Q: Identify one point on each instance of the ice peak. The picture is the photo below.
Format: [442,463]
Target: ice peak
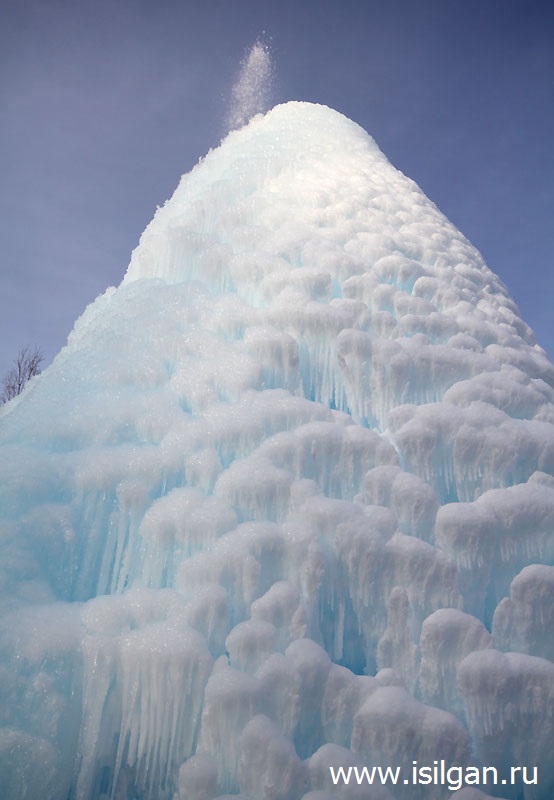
[300,187]
[293,164]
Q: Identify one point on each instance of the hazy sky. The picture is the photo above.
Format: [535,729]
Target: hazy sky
[105,104]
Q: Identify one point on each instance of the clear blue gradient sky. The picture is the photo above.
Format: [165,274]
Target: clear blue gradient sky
[105,104]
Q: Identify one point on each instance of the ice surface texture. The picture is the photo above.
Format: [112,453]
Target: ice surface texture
[284,502]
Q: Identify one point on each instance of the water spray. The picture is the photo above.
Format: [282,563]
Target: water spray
[252,91]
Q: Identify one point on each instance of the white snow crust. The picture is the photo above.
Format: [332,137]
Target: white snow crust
[284,502]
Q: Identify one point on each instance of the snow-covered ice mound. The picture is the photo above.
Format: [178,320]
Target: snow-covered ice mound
[284,502]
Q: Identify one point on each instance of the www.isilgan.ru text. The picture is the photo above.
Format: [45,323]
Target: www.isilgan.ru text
[436,775]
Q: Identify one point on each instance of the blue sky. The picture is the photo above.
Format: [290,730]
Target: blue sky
[105,104]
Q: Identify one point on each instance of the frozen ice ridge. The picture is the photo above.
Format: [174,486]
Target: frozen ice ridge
[284,502]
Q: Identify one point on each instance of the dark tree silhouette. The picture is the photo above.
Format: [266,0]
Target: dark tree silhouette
[25,366]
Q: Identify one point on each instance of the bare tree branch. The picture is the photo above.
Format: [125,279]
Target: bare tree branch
[25,366]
